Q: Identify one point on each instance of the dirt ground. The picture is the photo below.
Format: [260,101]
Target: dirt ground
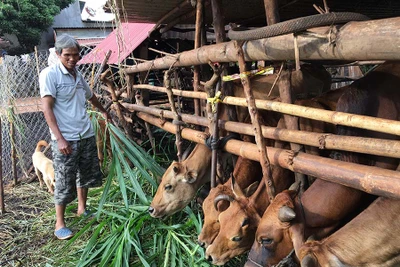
[27,225]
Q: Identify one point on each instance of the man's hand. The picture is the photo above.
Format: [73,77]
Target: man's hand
[64,146]
[107,116]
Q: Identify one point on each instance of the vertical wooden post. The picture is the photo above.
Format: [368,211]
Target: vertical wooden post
[177,117]
[264,161]
[291,122]
[212,115]
[197,44]
[218,21]
[2,206]
[271,11]
[13,152]
[220,37]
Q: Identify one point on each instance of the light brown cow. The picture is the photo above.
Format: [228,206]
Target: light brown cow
[290,220]
[371,240]
[181,181]
[174,192]
[246,172]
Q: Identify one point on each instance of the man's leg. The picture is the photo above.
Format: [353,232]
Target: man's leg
[89,174]
[60,222]
[82,198]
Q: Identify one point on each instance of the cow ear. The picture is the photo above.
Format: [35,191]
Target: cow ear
[237,191]
[190,177]
[248,191]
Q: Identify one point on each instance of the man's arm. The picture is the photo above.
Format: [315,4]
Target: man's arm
[47,105]
[95,102]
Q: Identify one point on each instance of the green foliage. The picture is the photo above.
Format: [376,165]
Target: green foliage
[28,19]
[127,235]
[123,233]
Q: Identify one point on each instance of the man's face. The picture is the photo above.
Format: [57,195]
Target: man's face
[69,57]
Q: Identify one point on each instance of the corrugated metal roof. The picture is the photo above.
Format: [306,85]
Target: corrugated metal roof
[90,42]
[122,41]
[251,12]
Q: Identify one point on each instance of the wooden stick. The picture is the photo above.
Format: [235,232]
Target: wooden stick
[264,160]
[177,117]
[2,205]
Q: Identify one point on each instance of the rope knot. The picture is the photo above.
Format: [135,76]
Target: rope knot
[214,100]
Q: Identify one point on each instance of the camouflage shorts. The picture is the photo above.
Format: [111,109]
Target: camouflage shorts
[78,169]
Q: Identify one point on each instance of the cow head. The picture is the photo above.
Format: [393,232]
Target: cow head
[217,201]
[273,239]
[221,196]
[180,183]
[238,224]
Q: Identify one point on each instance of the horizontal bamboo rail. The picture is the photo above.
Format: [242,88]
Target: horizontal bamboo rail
[352,42]
[373,146]
[370,179]
[341,118]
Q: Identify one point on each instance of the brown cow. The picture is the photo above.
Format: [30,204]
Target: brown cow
[238,223]
[371,239]
[233,225]
[174,193]
[289,220]
[246,172]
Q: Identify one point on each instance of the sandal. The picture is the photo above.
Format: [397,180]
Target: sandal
[63,233]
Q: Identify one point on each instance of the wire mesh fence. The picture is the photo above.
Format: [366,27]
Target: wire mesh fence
[22,121]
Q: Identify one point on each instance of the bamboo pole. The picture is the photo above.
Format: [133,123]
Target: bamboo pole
[341,118]
[2,205]
[352,43]
[255,119]
[373,146]
[373,180]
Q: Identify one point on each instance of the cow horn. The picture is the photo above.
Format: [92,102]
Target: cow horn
[221,197]
[295,186]
[286,214]
[309,260]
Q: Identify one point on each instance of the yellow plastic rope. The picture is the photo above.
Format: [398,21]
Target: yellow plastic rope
[262,71]
[214,100]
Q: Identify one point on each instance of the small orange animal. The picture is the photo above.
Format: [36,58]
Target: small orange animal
[43,167]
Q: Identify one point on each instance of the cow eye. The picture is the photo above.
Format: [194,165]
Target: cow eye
[175,169]
[236,239]
[245,222]
[168,187]
[266,241]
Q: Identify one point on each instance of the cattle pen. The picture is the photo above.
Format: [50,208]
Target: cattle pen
[307,89]
[281,50]
[380,182]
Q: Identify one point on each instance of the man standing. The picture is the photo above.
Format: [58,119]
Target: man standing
[64,93]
